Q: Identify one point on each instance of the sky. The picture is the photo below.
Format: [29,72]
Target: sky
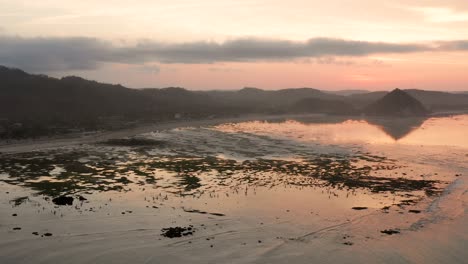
[230,44]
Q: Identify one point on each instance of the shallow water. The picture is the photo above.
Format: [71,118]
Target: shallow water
[245,182]
[446,131]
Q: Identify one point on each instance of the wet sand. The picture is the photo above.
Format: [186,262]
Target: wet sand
[248,192]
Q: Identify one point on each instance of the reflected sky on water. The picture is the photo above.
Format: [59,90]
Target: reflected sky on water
[437,131]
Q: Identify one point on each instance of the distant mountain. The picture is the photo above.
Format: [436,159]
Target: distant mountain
[178,100]
[33,105]
[316,105]
[440,101]
[25,96]
[43,104]
[347,92]
[396,103]
[365,99]
[432,100]
[267,101]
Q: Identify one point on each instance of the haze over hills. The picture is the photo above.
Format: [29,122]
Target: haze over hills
[46,105]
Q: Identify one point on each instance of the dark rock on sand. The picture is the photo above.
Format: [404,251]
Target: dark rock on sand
[359,208]
[81,198]
[201,212]
[217,214]
[390,231]
[63,200]
[48,234]
[177,231]
[414,211]
[16,228]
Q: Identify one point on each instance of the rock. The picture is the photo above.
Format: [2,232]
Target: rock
[359,208]
[390,231]
[177,231]
[63,200]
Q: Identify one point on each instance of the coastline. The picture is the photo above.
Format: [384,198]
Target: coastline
[77,139]
[123,227]
[28,145]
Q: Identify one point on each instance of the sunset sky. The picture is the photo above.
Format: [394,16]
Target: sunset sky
[229,44]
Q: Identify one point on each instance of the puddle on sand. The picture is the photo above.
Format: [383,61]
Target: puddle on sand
[291,176]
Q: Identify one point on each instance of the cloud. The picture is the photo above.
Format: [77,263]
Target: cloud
[442,14]
[251,49]
[53,54]
[460,45]
[61,54]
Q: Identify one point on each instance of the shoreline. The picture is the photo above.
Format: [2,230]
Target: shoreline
[29,145]
[246,214]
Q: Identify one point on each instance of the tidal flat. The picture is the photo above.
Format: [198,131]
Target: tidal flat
[299,190]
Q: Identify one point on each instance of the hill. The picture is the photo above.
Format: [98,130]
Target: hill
[33,105]
[44,105]
[396,103]
[440,101]
[365,99]
[267,101]
[347,92]
[432,100]
[70,101]
[316,105]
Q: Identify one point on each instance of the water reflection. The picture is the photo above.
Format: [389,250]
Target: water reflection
[448,131]
[397,128]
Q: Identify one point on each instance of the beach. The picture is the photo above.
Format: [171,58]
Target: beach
[253,190]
